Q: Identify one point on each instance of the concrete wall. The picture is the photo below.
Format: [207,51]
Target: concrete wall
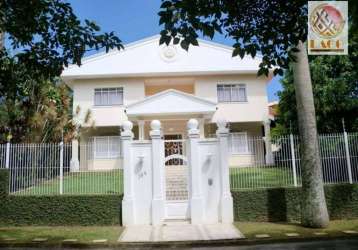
[135,89]
[154,89]
[83,96]
[255,109]
[210,179]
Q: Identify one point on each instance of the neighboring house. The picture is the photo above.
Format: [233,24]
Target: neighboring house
[273,110]
[147,81]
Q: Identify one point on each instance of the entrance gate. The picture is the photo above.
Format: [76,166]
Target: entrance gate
[176,177]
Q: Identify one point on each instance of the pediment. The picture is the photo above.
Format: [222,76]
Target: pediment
[171,102]
[147,58]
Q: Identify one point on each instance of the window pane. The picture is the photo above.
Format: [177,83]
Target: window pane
[220,93]
[104,98]
[97,97]
[242,94]
[106,147]
[114,149]
[227,93]
[235,93]
[101,147]
[108,96]
[239,143]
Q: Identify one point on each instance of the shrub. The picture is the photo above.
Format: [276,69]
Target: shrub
[283,204]
[62,210]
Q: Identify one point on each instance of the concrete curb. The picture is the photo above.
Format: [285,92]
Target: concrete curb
[178,244]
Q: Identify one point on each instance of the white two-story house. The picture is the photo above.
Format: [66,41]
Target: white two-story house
[146,81]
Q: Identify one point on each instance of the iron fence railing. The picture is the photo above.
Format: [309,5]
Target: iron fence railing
[338,154]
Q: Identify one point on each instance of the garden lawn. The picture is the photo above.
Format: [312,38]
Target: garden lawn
[57,234]
[278,230]
[263,177]
[89,182]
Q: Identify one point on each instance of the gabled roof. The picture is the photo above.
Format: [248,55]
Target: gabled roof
[171,102]
[147,58]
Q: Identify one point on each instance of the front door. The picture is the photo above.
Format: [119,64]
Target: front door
[176,177]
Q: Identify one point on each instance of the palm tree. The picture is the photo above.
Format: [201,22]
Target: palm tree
[313,206]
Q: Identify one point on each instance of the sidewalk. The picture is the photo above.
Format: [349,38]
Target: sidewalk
[180,231]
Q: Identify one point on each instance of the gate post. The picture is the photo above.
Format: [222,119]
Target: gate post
[158,210]
[226,211]
[128,217]
[196,196]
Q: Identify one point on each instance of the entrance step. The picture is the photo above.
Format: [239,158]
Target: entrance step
[170,222]
[177,210]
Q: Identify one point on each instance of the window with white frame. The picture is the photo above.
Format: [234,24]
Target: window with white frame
[232,93]
[238,142]
[108,96]
[106,147]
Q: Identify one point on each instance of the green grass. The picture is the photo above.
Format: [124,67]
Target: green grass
[111,182]
[263,177]
[278,230]
[57,234]
[104,182]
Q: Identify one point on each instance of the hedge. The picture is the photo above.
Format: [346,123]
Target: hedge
[57,210]
[283,204]
[4,183]
[279,204]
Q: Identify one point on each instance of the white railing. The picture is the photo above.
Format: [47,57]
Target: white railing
[44,169]
[338,152]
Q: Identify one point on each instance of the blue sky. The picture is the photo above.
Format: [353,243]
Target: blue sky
[132,20]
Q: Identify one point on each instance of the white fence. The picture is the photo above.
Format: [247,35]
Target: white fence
[44,169]
[338,152]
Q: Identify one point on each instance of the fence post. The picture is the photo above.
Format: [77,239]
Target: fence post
[348,157]
[128,205]
[196,195]
[7,158]
[293,159]
[61,167]
[226,200]
[158,201]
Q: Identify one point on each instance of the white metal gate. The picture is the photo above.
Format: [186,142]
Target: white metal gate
[176,177]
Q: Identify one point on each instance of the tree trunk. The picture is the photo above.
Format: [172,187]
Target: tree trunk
[313,206]
[2,40]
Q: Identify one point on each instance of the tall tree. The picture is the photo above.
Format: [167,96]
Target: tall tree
[335,90]
[276,29]
[44,36]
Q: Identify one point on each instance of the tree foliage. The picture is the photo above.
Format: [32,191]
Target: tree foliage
[269,27]
[47,35]
[335,89]
[44,36]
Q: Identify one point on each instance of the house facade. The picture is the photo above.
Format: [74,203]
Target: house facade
[146,82]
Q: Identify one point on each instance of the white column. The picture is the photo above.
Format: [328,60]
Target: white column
[202,127]
[158,205]
[141,124]
[268,148]
[61,167]
[293,160]
[348,157]
[226,203]
[74,164]
[196,196]
[7,157]
[128,217]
